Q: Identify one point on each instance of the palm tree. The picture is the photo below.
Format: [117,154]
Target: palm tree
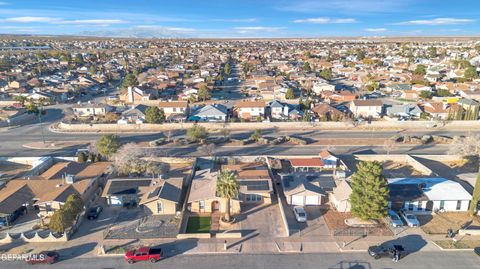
[227,187]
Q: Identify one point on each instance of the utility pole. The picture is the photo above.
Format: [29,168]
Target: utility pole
[40,112]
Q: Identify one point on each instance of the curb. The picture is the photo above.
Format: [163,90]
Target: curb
[451,249]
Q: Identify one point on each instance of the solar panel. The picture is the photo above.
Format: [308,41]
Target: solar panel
[261,185]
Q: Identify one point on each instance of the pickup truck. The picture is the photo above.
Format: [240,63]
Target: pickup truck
[143,254]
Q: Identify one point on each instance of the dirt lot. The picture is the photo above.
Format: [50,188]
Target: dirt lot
[440,223]
[393,169]
[462,244]
[336,224]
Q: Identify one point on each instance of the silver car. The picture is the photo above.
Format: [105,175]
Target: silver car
[394,219]
[410,219]
[300,214]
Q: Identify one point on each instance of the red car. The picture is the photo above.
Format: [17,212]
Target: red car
[143,254]
[44,257]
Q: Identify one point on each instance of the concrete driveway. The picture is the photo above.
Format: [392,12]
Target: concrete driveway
[315,225]
[265,220]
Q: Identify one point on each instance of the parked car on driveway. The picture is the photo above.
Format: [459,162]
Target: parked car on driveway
[393,219]
[386,250]
[300,214]
[48,257]
[143,254]
[410,219]
[94,212]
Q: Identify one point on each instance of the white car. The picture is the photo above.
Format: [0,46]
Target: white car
[410,219]
[300,214]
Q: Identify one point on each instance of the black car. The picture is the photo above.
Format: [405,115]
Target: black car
[386,250]
[477,250]
[94,212]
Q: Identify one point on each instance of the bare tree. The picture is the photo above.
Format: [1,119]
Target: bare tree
[208,149]
[389,145]
[225,132]
[130,158]
[169,135]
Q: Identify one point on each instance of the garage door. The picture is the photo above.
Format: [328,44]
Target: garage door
[297,200]
[311,200]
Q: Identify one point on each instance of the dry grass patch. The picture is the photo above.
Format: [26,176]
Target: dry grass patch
[461,244]
[441,222]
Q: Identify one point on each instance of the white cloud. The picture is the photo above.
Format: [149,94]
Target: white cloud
[343,6]
[258,29]
[51,20]
[326,20]
[93,22]
[437,21]
[31,19]
[376,30]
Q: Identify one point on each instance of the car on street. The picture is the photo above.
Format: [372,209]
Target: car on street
[143,254]
[393,219]
[94,212]
[48,257]
[300,214]
[386,250]
[477,250]
[409,218]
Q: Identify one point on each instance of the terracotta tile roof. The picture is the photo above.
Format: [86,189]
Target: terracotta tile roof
[306,162]
[245,104]
[370,102]
[173,104]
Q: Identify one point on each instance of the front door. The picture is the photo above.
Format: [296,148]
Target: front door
[215,206]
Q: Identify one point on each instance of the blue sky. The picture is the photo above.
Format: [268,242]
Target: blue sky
[244,18]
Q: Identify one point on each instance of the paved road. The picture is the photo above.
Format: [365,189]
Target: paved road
[437,260]
[11,140]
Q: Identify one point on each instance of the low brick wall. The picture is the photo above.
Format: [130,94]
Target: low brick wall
[32,238]
[193,235]
[227,235]
[261,125]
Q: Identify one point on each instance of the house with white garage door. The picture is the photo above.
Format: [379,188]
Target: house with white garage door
[299,190]
[427,195]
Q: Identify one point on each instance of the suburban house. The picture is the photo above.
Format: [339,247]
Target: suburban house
[427,195]
[210,113]
[278,110]
[300,190]
[48,191]
[339,198]
[122,191]
[136,114]
[440,110]
[327,112]
[135,94]
[255,182]
[338,97]
[163,197]
[307,164]
[91,109]
[320,87]
[410,94]
[249,110]
[407,110]
[203,195]
[330,161]
[175,110]
[366,108]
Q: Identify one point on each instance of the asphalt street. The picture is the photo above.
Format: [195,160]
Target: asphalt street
[437,260]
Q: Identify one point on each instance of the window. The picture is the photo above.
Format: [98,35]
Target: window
[253,198]
[174,109]
[159,207]
[459,205]
[411,206]
[202,205]
[442,205]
